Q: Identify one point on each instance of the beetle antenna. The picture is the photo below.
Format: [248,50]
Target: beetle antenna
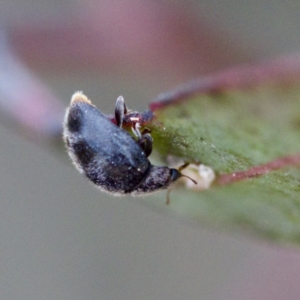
[194,181]
[183,167]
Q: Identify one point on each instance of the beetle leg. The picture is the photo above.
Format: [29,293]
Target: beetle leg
[144,139]
[146,143]
[120,111]
[183,166]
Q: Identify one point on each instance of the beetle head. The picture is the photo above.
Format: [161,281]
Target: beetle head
[159,178]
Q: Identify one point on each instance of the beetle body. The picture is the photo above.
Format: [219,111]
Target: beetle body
[108,155]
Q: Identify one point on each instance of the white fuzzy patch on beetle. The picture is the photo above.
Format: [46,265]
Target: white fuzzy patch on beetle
[134,119]
[80,97]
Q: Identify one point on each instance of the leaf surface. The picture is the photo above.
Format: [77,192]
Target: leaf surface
[245,125]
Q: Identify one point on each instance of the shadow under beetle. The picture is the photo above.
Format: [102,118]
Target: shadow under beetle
[108,155]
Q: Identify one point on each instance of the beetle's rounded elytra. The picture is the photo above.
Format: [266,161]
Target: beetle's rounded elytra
[108,155]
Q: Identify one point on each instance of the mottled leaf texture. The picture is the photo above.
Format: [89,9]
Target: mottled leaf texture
[244,124]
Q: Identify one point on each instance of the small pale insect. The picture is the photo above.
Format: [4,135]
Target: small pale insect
[108,155]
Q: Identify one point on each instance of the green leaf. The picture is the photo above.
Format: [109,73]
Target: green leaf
[233,122]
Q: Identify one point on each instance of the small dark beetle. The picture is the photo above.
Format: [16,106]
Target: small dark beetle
[108,155]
